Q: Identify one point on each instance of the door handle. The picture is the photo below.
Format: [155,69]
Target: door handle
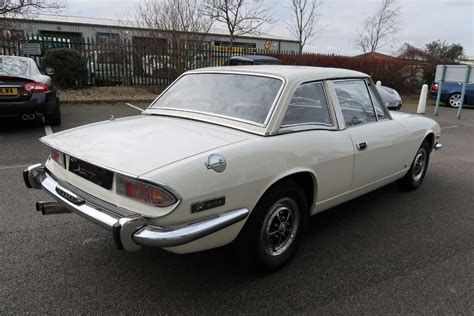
[362,146]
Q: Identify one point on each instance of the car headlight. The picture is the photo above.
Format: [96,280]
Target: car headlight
[144,192]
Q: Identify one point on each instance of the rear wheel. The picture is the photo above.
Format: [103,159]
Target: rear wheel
[53,118]
[454,100]
[414,177]
[271,236]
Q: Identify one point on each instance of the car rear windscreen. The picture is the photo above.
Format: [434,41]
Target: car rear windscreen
[12,66]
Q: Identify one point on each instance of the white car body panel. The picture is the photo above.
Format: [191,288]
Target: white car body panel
[170,148]
[135,145]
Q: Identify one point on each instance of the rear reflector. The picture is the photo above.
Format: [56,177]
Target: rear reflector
[435,87]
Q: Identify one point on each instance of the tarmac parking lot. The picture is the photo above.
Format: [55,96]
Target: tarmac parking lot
[385,252]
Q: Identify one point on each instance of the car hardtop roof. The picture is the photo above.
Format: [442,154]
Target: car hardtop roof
[290,73]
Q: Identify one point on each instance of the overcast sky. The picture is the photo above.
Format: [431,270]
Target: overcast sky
[421,21]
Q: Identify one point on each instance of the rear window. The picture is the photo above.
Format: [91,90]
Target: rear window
[13,66]
[236,96]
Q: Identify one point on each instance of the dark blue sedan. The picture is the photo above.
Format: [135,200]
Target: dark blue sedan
[451,94]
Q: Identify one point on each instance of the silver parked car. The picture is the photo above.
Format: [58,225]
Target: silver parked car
[390,97]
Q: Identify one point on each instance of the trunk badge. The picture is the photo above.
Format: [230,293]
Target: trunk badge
[216,163]
[71,197]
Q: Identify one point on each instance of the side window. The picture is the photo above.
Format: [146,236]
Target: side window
[308,106]
[379,108]
[355,102]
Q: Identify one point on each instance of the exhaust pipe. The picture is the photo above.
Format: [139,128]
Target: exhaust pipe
[31,117]
[51,208]
[25,117]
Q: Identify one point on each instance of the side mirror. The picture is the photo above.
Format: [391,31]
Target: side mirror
[49,71]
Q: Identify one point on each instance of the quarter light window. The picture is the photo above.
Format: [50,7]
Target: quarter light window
[355,102]
[308,106]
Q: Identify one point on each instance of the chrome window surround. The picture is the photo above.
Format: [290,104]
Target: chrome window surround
[311,123]
[270,111]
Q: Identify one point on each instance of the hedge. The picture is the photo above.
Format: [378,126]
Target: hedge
[402,75]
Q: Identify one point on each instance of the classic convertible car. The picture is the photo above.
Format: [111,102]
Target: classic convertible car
[241,155]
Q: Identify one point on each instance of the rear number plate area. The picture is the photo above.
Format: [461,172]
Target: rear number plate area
[90,172]
[8,91]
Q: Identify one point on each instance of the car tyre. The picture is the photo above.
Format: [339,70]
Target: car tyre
[415,175]
[454,100]
[272,234]
[53,118]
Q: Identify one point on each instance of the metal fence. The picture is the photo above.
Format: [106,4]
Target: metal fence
[122,62]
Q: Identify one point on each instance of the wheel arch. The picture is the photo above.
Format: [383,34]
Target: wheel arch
[430,137]
[306,179]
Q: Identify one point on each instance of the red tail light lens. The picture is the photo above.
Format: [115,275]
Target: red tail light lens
[35,87]
[144,192]
[435,87]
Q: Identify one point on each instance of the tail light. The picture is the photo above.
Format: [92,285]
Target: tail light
[58,157]
[35,87]
[435,87]
[144,192]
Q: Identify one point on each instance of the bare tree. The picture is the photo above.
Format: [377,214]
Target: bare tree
[379,29]
[240,16]
[25,7]
[174,20]
[305,25]
[175,31]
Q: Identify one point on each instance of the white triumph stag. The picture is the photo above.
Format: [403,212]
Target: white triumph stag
[235,154]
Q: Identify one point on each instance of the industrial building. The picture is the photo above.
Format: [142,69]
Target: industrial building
[78,29]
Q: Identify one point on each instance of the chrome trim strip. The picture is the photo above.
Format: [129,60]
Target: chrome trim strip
[131,232]
[161,237]
[230,118]
[438,146]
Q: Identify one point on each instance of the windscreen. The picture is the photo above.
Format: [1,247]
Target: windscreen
[236,96]
[13,67]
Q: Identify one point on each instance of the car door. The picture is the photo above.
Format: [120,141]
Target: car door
[310,123]
[375,136]
[469,94]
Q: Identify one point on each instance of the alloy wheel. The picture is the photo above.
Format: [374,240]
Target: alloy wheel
[455,100]
[280,226]
[419,164]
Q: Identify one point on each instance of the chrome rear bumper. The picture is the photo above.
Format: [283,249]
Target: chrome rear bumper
[130,232]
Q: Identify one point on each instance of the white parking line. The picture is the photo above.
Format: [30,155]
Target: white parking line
[48,130]
[135,107]
[450,126]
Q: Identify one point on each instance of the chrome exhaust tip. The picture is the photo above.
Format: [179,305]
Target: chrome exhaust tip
[51,208]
